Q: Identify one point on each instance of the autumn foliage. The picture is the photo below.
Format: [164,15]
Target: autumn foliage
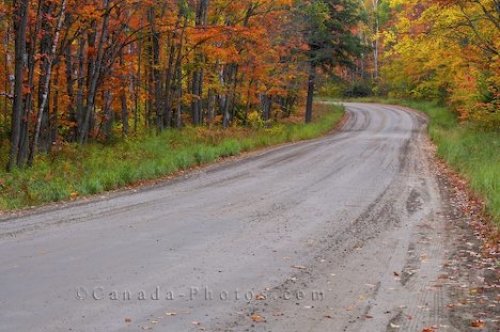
[99,70]
[80,71]
[447,50]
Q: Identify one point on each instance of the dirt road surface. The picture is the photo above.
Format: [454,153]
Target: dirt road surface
[342,233]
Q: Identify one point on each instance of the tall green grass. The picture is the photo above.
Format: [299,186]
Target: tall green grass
[472,151]
[92,169]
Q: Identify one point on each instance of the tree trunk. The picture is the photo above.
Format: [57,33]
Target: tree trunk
[80,88]
[32,45]
[266,103]
[169,77]
[123,100]
[310,92]
[7,82]
[197,86]
[46,81]
[154,58]
[229,74]
[376,41]
[20,24]
[212,101]
[68,61]
[177,85]
[94,75]
[108,116]
[54,116]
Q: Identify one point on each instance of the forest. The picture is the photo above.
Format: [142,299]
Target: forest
[90,71]
[81,73]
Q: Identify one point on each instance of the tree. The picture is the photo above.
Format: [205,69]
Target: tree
[329,34]
[447,50]
[20,24]
[86,70]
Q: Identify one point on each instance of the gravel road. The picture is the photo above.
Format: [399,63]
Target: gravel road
[342,233]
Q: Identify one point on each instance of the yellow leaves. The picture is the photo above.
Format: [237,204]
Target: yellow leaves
[435,51]
[396,3]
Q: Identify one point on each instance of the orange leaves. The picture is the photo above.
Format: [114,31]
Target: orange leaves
[125,62]
[478,324]
[89,11]
[257,318]
[91,51]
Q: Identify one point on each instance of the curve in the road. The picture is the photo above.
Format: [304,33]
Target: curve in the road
[337,215]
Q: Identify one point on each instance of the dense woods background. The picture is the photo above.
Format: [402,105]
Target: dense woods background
[80,71]
[74,72]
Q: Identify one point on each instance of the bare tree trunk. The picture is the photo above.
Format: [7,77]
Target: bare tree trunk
[376,41]
[267,103]
[20,24]
[46,81]
[197,86]
[212,101]
[137,88]
[154,58]
[248,105]
[108,116]
[80,87]
[229,74]
[310,92]
[8,90]
[125,126]
[54,117]
[94,75]
[178,117]
[178,76]
[68,60]
[123,101]
[32,44]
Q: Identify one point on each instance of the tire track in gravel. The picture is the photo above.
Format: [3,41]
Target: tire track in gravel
[355,217]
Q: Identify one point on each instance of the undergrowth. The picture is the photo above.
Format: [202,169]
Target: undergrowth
[76,171]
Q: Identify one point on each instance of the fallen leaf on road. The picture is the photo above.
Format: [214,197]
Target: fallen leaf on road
[396,274]
[478,324]
[257,318]
[128,320]
[428,329]
[195,323]
[299,267]
[260,297]
[170,313]
[328,316]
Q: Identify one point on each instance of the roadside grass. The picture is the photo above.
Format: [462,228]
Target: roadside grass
[470,150]
[76,171]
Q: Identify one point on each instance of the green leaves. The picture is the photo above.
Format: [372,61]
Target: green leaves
[330,31]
